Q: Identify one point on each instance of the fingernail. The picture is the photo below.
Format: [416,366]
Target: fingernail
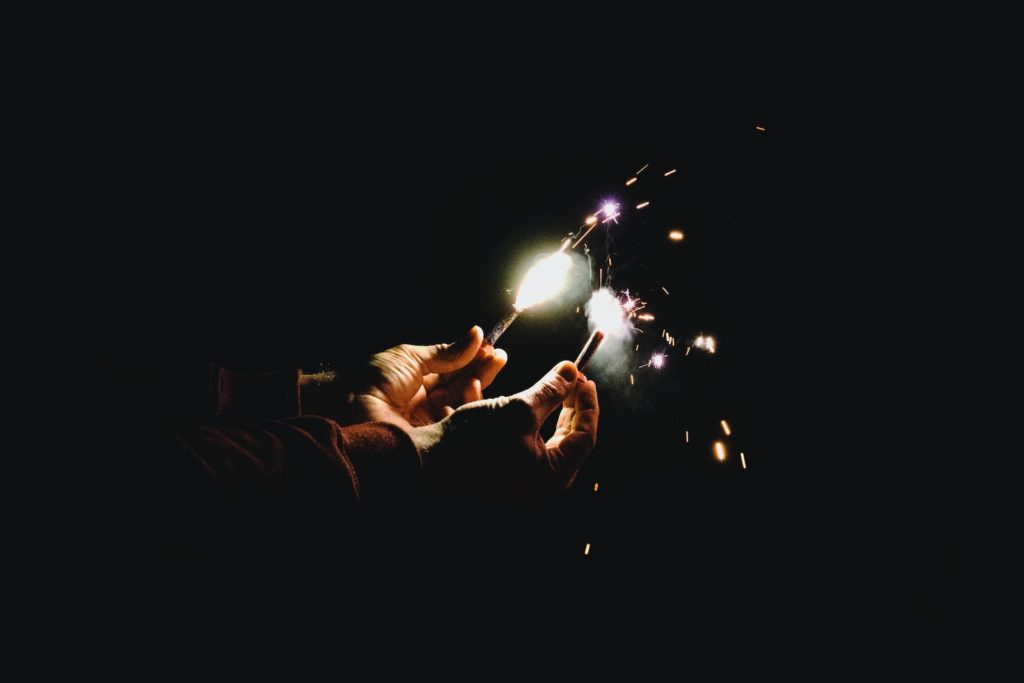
[568,371]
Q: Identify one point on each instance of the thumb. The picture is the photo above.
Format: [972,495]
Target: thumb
[448,357]
[549,393]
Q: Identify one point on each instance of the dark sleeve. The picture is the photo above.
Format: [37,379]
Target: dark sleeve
[187,392]
[192,457]
[300,458]
[216,490]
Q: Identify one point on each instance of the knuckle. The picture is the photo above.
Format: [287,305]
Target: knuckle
[517,404]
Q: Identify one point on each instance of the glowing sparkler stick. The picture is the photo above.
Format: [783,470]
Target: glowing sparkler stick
[589,349]
[502,325]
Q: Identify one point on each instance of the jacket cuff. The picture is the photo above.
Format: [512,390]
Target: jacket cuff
[385,460]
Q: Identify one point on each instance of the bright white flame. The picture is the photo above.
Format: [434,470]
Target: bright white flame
[676,235]
[591,220]
[608,314]
[610,211]
[658,360]
[543,281]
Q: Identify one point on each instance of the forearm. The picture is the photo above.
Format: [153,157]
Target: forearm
[330,394]
[185,392]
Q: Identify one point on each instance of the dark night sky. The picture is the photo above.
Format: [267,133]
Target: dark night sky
[267,211]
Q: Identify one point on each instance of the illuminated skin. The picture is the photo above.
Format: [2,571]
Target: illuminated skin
[413,386]
[489,449]
[493,449]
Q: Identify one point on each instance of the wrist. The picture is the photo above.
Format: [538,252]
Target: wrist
[322,394]
[426,439]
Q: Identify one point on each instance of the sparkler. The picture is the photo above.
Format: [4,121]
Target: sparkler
[542,282]
[610,314]
[589,349]
[610,211]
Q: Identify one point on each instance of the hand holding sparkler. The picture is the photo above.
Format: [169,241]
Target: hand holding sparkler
[411,385]
[493,449]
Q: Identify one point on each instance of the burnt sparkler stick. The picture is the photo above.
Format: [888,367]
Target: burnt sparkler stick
[499,329]
[589,349]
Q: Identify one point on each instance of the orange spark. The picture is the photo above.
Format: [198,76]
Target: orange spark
[720,451]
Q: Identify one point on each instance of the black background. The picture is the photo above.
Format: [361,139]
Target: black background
[272,209]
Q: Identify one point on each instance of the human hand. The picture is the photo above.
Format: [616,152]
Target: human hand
[493,449]
[413,386]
